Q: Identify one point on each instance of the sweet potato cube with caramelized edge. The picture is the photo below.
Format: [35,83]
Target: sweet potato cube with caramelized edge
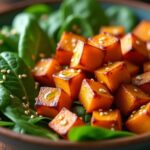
[117,31]
[70,81]
[44,70]
[142,30]
[86,57]
[146,66]
[94,95]
[109,44]
[132,68]
[110,119]
[143,82]
[64,121]
[51,100]
[139,121]
[66,45]
[130,98]
[134,49]
[113,75]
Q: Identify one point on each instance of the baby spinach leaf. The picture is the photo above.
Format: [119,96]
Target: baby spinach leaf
[76,25]
[119,15]
[38,10]
[33,41]
[8,39]
[86,9]
[16,77]
[89,133]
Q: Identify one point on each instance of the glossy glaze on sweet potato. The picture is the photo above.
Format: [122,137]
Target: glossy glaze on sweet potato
[51,100]
[130,98]
[64,121]
[94,95]
[110,119]
[113,75]
[65,47]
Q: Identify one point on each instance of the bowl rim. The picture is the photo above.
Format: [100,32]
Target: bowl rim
[63,143]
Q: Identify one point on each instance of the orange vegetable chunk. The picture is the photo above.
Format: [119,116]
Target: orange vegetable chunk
[109,44]
[94,95]
[86,57]
[117,31]
[70,81]
[113,75]
[51,100]
[146,66]
[132,68]
[110,119]
[143,82]
[139,121]
[64,121]
[66,45]
[44,70]
[142,30]
[130,98]
[134,49]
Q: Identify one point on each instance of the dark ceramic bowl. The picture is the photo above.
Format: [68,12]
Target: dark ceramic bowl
[26,142]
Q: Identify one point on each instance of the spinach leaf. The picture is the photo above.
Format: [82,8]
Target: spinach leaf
[6,124]
[86,9]
[33,42]
[38,10]
[8,39]
[77,25]
[88,133]
[16,77]
[122,16]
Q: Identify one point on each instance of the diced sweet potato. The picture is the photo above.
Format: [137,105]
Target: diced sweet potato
[146,66]
[142,30]
[66,46]
[109,44]
[130,98]
[139,121]
[64,121]
[110,119]
[134,49]
[143,82]
[94,95]
[117,31]
[132,68]
[44,69]
[51,100]
[113,75]
[86,57]
[70,81]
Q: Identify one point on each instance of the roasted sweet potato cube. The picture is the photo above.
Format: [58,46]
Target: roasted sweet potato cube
[113,75]
[142,30]
[110,119]
[143,82]
[117,31]
[66,45]
[51,100]
[146,66]
[109,44]
[86,57]
[139,121]
[132,68]
[44,69]
[70,81]
[134,49]
[94,95]
[130,98]
[64,121]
